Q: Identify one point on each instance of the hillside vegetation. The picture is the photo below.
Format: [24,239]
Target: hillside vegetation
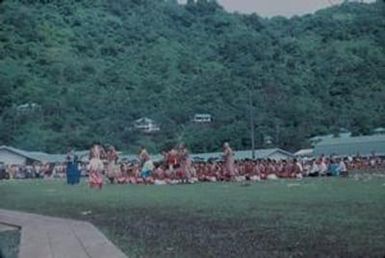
[94,67]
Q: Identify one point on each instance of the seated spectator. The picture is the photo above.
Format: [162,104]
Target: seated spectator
[2,171]
[315,168]
[333,169]
[342,168]
[322,168]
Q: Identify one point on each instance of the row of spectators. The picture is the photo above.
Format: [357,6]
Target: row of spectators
[209,171]
[45,171]
[254,170]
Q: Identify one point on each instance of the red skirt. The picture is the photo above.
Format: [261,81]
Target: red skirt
[95,179]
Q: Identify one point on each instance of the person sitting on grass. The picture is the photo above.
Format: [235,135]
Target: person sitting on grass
[285,170]
[172,159]
[209,172]
[314,169]
[298,171]
[122,175]
[159,174]
[254,174]
[262,170]
[193,176]
[199,167]
[271,171]
[342,168]
[332,168]
[133,173]
[240,171]
[247,169]
[322,167]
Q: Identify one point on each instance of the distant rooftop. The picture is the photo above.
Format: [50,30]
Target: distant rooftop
[355,139]
[360,145]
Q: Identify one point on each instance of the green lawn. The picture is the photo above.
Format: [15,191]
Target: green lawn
[322,217]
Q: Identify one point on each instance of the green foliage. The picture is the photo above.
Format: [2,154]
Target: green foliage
[96,66]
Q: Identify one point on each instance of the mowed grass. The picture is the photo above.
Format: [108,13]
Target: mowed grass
[322,217]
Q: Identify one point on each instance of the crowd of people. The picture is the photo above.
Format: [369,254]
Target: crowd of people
[177,167]
[38,170]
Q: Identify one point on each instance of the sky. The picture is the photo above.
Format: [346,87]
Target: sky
[268,8]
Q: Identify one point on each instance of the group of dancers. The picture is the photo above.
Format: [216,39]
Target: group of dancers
[177,167]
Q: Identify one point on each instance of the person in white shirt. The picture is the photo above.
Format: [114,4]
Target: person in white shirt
[342,168]
[323,168]
[315,169]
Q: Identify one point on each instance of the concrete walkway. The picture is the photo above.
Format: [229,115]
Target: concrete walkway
[49,237]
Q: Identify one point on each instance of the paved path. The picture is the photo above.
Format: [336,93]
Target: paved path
[49,237]
[5,227]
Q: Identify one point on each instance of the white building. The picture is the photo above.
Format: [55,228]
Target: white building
[28,107]
[202,118]
[146,125]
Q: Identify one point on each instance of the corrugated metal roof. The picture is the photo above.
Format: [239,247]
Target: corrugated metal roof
[134,157]
[14,150]
[357,139]
[304,152]
[379,130]
[239,155]
[247,154]
[36,155]
[362,145]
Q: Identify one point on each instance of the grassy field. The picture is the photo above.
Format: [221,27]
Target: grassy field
[322,217]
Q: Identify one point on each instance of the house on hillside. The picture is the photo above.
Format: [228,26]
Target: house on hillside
[28,107]
[202,118]
[146,125]
[352,146]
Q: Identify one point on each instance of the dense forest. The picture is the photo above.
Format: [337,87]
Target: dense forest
[89,68]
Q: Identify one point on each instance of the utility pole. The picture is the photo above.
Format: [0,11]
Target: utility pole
[277,134]
[252,124]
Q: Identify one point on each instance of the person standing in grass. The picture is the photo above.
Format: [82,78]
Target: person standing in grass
[96,167]
[146,172]
[73,175]
[146,166]
[172,159]
[185,162]
[228,156]
[112,168]
[143,156]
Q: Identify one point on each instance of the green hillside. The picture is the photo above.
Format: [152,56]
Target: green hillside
[94,67]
